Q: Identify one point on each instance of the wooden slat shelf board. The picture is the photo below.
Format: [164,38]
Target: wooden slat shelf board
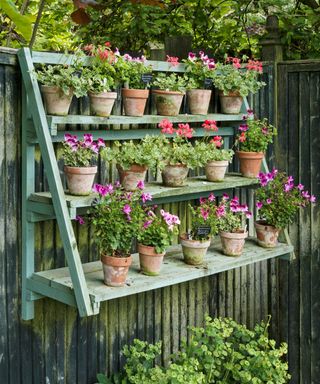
[131,134]
[174,271]
[194,186]
[146,119]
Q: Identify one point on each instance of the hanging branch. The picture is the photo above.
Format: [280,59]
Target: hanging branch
[37,23]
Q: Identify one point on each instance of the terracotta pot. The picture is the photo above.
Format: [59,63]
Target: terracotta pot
[215,170]
[175,175]
[199,100]
[250,163]
[80,179]
[267,235]
[168,103]
[134,101]
[194,250]
[56,102]
[231,103]
[129,178]
[102,103]
[233,243]
[115,270]
[150,261]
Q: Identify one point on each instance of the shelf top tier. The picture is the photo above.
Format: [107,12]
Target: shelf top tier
[195,187]
[174,271]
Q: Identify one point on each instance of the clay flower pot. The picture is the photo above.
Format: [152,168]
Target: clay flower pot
[267,235]
[194,250]
[80,179]
[115,270]
[150,261]
[56,102]
[175,175]
[134,101]
[168,103]
[199,100]
[231,103]
[129,178]
[216,170]
[250,163]
[102,103]
[233,243]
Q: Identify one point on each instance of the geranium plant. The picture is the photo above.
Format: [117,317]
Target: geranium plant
[198,69]
[81,153]
[158,229]
[255,135]
[203,216]
[99,79]
[279,199]
[130,71]
[66,77]
[176,149]
[211,149]
[147,152]
[231,77]
[232,214]
[116,217]
[170,82]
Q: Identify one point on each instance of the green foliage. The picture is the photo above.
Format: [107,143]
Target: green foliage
[229,77]
[158,230]
[232,215]
[222,352]
[204,215]
[255,135]
[80,153]
[63,76]
[207,151]
[146,152]
[98,79]
[130,71]
[23,23]
[116,217]
[170,82]
[197,70]
[278,199]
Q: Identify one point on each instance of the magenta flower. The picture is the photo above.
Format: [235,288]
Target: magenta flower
[140,185]
[192,56]
[126,209]
[248,215]
[243,127]
[265,130]
[269,201]
[204,213]
[211,197]
[147,224]
[300,187]
[305,194]
[95,147]
[259,204]
[203,200]
[146,197]
[288,187]
[87,139]
[80,220]
[101,142]
[220,211]
[226,196]
[312,199]
[117,184]
[68,138]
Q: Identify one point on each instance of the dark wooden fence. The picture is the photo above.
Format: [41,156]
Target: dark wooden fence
[59,347]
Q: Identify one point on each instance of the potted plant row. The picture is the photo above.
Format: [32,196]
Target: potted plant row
[108,70]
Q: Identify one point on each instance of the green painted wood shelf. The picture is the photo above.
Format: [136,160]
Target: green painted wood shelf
[174,271]
[82,285]
[41,203]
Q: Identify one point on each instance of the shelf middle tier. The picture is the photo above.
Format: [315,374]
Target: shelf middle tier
[40,204]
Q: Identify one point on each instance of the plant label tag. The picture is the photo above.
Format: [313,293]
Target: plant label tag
[203,230]
[207,83]
[146,78]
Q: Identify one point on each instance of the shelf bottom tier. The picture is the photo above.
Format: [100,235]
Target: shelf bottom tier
[174,271]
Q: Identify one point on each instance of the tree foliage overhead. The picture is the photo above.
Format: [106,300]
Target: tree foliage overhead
[220,26]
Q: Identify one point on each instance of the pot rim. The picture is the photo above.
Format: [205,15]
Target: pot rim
[116,261]
[161,91]
[138,168]
[142,93]
[150,250]
[199,89]
[218,163]
[205,242]
[83,170]
[250,154]
[263,223]
[106,95]
[234,235]
[230,94]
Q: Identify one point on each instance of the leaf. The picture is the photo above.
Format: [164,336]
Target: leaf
[23,22]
